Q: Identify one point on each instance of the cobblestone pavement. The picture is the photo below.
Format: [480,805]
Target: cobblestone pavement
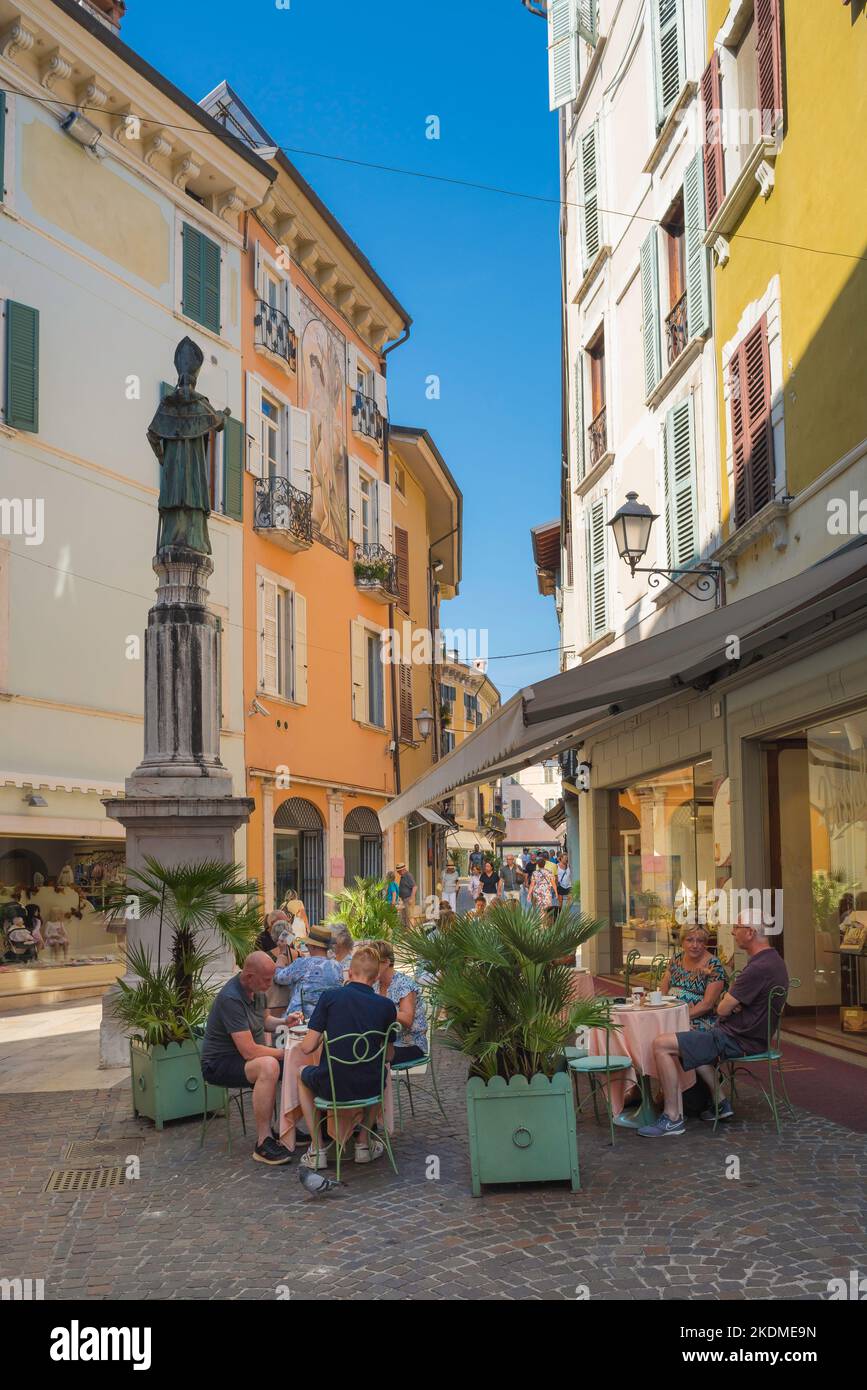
[653,1220]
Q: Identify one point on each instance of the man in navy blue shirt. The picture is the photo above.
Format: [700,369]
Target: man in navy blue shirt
[355,1008]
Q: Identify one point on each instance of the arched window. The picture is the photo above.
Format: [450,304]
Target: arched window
[299,855]
[362,845]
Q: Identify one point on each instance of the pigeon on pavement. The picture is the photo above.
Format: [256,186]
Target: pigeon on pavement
[317,1185]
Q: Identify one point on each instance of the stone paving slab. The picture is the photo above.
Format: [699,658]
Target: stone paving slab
[654,1219]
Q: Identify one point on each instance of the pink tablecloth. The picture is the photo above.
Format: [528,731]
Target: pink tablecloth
[294,1063]
[582,984]
[633,1037]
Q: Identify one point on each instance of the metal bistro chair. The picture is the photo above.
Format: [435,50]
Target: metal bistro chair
[230,1094]
[595,1068]
[658,967]
[420,1066]
[772,1055]
[631,961]
[364,1049]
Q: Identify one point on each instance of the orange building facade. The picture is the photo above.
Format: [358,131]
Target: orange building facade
[325,559]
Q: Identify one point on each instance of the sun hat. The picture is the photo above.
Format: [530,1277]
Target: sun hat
[317,936]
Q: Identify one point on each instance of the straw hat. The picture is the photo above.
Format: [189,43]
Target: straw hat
[317,936]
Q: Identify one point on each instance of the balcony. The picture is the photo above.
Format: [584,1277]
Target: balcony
[283,513]
[271,332]
[376,573]
[597,437]
[676,331]
[366,418]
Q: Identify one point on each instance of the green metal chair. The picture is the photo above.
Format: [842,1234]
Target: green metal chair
[772,1055]
[230,1095]
[364,1049]
[658,967]
[631,961]
[595,1068]
[404,1070]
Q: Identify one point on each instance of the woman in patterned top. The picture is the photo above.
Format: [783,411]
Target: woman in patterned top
[403,991]
[697,977]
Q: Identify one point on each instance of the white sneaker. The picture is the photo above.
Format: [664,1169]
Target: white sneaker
[315,1158]
[367,1153]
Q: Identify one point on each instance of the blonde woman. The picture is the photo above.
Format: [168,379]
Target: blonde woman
[405,994]
[697,977]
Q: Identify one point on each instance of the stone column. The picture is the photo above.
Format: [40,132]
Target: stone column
[179,805]
[268,844]
[334,842]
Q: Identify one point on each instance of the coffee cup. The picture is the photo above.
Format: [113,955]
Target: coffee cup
[655,996]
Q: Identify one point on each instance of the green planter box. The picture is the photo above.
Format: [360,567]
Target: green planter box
[167,1082]
[522,1131]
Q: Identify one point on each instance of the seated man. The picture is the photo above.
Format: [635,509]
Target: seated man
[235,1053]
[355,1008]
[307,975]
[742,1029]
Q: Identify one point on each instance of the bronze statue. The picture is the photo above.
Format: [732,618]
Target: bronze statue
[179,435]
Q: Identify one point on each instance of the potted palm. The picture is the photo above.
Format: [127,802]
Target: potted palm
[505,1003]
[167,1004]
[364,911]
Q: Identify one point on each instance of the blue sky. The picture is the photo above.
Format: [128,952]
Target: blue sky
[478,272]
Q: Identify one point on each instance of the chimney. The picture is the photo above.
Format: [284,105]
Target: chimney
[110,12]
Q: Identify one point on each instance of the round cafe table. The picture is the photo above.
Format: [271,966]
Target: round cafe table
[633,1035]
[289,1103]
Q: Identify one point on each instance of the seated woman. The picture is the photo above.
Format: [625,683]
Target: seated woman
[405,993]
[342,946]
[697,977]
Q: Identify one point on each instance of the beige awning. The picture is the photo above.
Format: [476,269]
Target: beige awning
[468,839]
[425,813]
[540,720]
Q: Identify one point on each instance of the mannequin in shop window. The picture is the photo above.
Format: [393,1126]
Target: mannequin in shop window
[56,935]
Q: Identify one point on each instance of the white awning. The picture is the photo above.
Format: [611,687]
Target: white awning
[425,813]
[556,713]
[468,839]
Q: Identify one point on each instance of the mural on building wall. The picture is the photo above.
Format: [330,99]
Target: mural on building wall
[323,393]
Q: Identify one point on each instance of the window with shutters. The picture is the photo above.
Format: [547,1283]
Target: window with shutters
[404,674]
[448,741]
[742,90]
[401,547]
[271,449]
[375,681]
[20,376]
[573,30]
[753,463]
[674,256]
[597,430]
[681,504]
[669,56]
[515,810]
[368,674]
[201,278]
[597,570]
[591,222]
[282,666]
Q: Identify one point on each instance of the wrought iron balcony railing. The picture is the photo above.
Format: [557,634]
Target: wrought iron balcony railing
[676,331]
[376,568]
[280,506]
[271,330]
[598,438]
[366,417]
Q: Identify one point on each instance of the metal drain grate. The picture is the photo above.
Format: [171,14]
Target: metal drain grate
[100,1152]
[84,1179]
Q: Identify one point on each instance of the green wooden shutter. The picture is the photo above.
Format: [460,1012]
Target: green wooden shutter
[695,251]
[668,56]
[22,367]
[233,469]
[681,502]
[200,298]
[597,577]
[562,52]
[588,20]
[590,239]
[650,321]
[580,452]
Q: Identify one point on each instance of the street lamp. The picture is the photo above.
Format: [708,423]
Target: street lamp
[425,721]
[632,525]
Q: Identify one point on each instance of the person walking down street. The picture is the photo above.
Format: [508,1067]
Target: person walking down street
[564,878]
[392,894]
[542,889]
[489,882]
[475,860]
[450,885]
[511,878]
[406,890]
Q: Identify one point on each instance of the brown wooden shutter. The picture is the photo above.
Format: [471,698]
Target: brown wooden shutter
[401,549]
[769,61]
[405,700]
[714,167]
[751,425]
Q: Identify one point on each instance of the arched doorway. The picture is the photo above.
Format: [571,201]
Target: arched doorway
[299,855]
[362,845]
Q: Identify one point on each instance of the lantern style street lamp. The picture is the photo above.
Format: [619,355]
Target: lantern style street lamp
[632,525]
[425,721]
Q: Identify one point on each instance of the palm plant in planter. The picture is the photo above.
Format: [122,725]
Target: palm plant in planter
[168,1003]
[504,999]
[364,911]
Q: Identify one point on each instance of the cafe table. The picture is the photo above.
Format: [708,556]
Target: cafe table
[289,1104]
[633,1032]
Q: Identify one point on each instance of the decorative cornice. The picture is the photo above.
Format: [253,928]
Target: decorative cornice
[328,277]
[57,67]
[90,93]
[158,147]
[363,319]
[185,171]
[721,251]
[16,38]
[230,206]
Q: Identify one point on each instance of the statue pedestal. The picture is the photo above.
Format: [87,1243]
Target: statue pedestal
[179,806]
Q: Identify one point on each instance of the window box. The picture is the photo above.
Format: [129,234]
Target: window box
[375,571]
